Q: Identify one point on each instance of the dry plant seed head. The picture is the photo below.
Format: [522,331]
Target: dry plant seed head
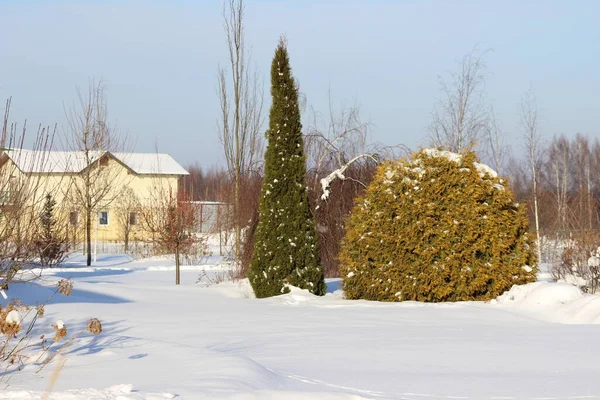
[10,323]
[60,330]
[41,310]
[17,304]
[94,326]
[65,286]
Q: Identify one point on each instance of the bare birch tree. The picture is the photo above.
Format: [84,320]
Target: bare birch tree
[241,100]
[582,166]
[530,128]
[559,161]
[461,116]
[496,149]
[95,183]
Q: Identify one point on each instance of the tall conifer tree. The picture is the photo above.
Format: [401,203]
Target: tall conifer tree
[286,250]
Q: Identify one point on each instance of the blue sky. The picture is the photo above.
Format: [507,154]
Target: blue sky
[159,62]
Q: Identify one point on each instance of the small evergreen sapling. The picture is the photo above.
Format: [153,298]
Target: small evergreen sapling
[286,250]
[52,246]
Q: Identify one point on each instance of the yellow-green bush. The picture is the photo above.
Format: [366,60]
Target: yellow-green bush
[437,226]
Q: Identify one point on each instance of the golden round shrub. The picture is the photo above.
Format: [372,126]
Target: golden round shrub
[434,227]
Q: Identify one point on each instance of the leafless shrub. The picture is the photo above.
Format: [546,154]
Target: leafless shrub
[197,254]
[580,262]
[215,277]
[170,223]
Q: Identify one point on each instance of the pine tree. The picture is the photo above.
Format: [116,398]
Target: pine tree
[286,250]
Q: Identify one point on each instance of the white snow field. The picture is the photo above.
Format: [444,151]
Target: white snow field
[160,341]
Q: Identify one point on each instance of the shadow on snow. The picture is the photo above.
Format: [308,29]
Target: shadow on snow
[32,293]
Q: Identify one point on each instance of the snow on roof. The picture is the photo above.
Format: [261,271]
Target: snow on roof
[48,161]
[34,161]
[151,163]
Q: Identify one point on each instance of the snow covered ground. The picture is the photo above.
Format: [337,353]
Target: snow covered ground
[217,342]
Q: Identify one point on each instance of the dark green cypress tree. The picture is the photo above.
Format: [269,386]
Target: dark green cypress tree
[286,250]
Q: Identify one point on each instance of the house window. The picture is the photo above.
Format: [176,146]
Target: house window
[133,218]
[103,218]
[103,161]
[73,218]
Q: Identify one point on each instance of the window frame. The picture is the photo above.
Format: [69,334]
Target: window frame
[100,218]
[135,221]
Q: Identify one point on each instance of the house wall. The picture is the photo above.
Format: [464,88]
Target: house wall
[19,188]
[151,190]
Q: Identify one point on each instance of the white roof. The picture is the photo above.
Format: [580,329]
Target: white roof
[35,161]
[151,163]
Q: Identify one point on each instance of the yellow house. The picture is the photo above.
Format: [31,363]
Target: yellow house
[114,186]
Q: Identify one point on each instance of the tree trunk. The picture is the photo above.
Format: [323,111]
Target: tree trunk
[88,236]
[236,216]
[177,271]
[537,218]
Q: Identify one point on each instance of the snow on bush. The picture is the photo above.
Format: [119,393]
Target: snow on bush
[436,227]
[10,322]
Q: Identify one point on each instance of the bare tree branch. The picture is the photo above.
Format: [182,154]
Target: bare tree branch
[461,117]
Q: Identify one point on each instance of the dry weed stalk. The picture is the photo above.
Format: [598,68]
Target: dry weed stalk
[18,343]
